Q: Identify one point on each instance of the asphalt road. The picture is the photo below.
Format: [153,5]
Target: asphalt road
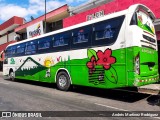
[34,96]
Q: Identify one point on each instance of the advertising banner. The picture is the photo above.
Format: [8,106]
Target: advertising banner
[35,30]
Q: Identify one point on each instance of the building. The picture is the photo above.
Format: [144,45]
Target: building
[46,23]
[7,34]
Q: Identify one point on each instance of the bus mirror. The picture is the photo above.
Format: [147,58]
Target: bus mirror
[2,54]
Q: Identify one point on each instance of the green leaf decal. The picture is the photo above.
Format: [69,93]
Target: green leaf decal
[111,75]
[145,27]
[90,53]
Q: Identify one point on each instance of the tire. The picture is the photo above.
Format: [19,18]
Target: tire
[11,76]
[63,81]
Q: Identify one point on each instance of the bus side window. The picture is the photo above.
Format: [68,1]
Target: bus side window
[43,44]
[80,36]
[31,48]
[61,39]
[106,32]
[20,49]
[11,51]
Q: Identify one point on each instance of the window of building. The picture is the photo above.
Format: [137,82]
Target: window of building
[56,25]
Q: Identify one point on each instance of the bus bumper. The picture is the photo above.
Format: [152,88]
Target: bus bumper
[141,81]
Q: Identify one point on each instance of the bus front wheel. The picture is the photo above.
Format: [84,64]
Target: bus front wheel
[11,75]
[63,81]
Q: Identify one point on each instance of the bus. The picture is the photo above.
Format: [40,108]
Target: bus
[115,51]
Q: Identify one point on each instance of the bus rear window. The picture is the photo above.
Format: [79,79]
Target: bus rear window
[134,19]
[144,21]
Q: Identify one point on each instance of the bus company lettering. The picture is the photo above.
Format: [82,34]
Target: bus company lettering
[95,15]
[147,51]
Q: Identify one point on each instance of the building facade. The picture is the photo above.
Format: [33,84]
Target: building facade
[46,23]
[8,35]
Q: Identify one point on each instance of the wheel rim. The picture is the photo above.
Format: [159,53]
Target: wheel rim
[62,80]
[12,76]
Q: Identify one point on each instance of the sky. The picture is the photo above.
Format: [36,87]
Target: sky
[28,8]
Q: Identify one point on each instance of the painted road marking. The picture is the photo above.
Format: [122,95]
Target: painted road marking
[119,109]
[110,107]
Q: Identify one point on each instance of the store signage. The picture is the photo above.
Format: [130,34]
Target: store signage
[35,30]
[95,15]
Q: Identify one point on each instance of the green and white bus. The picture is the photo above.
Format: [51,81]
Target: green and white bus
[117,50]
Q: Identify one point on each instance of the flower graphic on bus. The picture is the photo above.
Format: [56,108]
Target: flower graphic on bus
[91,64]
[100,67]
[105,59]
[101,58]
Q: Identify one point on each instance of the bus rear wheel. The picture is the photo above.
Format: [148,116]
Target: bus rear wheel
[11,76]
[63,81]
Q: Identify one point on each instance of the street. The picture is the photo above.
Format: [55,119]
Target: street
[34,96]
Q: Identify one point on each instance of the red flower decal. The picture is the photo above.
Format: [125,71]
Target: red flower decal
[91,64]
[105,58]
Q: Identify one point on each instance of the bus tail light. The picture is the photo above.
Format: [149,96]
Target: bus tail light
[137,64]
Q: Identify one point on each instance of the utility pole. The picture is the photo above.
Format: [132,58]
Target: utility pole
[45,30]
